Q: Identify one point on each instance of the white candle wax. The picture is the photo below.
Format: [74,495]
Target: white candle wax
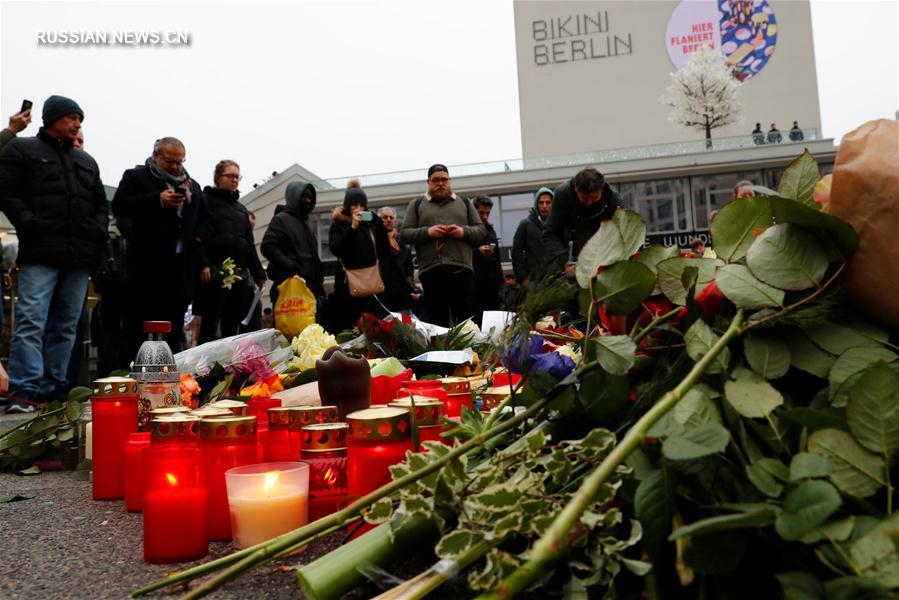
[259,514]
[89,442]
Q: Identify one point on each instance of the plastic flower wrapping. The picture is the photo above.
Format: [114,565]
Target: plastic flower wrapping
[250,357]
[309,346]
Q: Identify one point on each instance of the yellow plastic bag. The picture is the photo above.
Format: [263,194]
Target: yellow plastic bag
[295,308]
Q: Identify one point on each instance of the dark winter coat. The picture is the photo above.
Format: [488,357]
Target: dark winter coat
[488,271]
[52,194]
[227,232]
[528,253]
[569,220]
[290,244]
[354,247]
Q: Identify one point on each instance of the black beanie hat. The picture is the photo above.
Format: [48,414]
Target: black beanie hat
[59,106]
[436,168]
[355,195]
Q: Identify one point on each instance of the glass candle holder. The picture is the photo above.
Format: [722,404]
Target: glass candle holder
[324,450]
[227,442]
[458,394]
[267,500]
[238,407]
[258,407]
[134,485]
[164,411]
[114,408]
[175,501]
[377,438]
[504,378]
[428,413]
[303,416]
[207,412]
[278,444]
[491,397]
[181,430]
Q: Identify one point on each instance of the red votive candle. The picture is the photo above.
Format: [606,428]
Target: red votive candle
[134,491]
[458,394]
[180,430]
[175,502]
[258,407]
[302,416]
[278,444]
[491,397]
[226,442]
[377,438]
[501,378]
[324,450]
[428,413]
[114,405]
[237,407]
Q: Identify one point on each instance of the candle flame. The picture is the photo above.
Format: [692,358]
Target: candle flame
[330,476]
[270,479]
[172,479]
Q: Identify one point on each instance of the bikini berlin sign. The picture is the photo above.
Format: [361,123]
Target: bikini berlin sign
[576,37]
[744,30]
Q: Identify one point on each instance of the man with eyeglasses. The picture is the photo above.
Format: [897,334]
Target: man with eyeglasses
[444,228]
[161,212]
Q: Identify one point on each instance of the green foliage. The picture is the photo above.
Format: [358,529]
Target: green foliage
[767,355]
[873,410]
[743,289]
[798,180]
[623,286]
[671,276]
[787,257]
[616,240]
[750,394]
[651,256]
[699,339]
[52,434]
[856,471]
[809,505]
[615,353]
[737,224]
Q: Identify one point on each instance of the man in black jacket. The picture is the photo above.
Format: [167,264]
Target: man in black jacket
[52,194]
[579,208]
[161,212]
[488,270]
[290,244]
[528,253]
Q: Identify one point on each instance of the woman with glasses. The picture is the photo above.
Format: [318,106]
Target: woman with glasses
[221,300]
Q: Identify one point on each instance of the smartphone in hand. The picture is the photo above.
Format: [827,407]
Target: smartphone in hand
[366,215]
[26,105]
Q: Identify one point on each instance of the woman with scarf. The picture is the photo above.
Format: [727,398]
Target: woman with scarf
[358,239]
[161,212]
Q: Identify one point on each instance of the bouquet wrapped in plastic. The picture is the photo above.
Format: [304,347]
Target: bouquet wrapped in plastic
[250,357]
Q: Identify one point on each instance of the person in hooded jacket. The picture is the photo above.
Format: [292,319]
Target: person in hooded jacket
[528,253]
[290,244]
[227,235]
[358,239]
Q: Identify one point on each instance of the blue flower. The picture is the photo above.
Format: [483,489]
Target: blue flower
[553,363]
[519,357]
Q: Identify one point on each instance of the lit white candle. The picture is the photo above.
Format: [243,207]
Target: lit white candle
[267,500]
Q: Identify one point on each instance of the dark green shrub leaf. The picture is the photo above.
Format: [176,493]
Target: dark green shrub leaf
[699,339]
[743,289]
[806,356]
[787,257]
[603,395]
[651,256]
[64,435]
[835,530]
[455,543]
[618,239]
[654,507]
[671,276]
[814,418]
[856,588]
[695,408]
[767,356]
[760,518]
[808,465]
[73,410]
[851,362]
[830,231]
[623,286]
[836,338]
[379,512]
[855,470]
[873,409]
[805,508]
[798,180]
[875,553]
[737,225]
[704,440]
[750,395]
[798,585]
[615,353]
[80,393]
[764,481]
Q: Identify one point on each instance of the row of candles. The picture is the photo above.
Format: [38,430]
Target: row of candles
[250,471]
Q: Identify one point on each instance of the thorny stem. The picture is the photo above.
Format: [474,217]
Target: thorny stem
[655,323]
[556,540]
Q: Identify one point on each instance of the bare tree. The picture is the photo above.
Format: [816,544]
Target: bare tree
[703,94]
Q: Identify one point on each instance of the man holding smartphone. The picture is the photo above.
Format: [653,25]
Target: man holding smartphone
[17,123]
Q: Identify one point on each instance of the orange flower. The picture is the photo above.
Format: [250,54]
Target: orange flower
[190,390]
[264,388]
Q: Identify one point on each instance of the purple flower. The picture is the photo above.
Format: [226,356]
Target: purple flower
[553,363]
[519,357]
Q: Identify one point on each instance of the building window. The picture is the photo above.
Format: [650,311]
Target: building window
[711,192]
[662,204]
[509,211]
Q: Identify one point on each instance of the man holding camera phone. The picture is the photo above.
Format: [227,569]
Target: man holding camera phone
[17,123]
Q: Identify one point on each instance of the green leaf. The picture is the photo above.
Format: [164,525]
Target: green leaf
[603,395]
[750,395]
[671,272]
[455,543]
[743,289]
[806,507]
[873,409]
[73,410]
[32,470]
[767,356]
[798,585]
[615,353]
[852,361]
[704,440]
[814,419]
[651,256]
[830,231]
[808,465]
[855,470]
[64,435]
[856,588]
[623,286]
[738,224]
[510,523]
[80,394]
[379,512]
[806,356]
[788,258]
[763,481]
[798,180]
[761,518]
[875,554]
[654,507]
[835,530]
[836,338]
[618,239]
[699,339]
[695,408]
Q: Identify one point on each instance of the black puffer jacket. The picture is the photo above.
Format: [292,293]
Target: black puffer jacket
[354,247]
[227,232]
[570,220]
[488,270]
[290,244]
[52,194]
[528,254]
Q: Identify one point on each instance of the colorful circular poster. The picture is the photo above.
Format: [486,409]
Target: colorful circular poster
[744,30]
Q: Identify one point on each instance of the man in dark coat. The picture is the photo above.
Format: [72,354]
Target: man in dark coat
[290,244]
[579,207]
[52,194]
[528,254]
[397,269]
[161,211]
[488,270]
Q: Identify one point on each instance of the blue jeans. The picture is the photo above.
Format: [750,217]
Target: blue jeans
[47,310]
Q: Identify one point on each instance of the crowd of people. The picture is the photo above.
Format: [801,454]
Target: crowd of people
[169,244]
[774,136]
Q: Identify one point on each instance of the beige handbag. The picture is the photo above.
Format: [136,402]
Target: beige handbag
[366,281]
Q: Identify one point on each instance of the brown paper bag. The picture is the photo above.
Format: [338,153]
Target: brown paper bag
[865,193]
